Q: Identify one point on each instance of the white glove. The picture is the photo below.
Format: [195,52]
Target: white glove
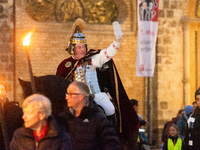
[117,30]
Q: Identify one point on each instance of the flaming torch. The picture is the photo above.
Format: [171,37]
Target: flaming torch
[26,45]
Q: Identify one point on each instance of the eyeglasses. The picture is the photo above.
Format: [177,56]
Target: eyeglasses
[70,94]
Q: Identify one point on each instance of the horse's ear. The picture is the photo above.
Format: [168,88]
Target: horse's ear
[23,83]
[26,86]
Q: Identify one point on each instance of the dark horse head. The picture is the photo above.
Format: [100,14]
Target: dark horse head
[52,86]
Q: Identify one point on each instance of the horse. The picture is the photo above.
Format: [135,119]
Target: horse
[52,86]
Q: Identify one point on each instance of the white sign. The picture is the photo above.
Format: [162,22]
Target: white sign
[147,34]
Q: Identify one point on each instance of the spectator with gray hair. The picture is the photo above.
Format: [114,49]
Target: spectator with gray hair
[40,129]
[88,128]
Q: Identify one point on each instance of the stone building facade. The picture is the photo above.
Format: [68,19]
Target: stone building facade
[175,79]
[7,59]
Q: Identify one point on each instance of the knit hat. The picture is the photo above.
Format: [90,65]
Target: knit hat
[188,109]
[197,93]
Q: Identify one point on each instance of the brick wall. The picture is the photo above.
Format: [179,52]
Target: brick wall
[6,47]
[167,86]
[50,38]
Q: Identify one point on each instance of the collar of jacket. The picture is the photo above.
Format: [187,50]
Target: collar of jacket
[197,112]
[53,129]
[86,111]
[75,62]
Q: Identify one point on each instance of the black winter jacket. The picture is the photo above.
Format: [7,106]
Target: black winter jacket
[91,130]
[55,139]
[192,134]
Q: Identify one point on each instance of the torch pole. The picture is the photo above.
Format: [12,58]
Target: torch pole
[30,70]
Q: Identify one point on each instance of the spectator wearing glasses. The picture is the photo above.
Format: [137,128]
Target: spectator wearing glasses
[89,129]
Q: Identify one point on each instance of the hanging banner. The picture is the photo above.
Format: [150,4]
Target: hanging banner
[147,35]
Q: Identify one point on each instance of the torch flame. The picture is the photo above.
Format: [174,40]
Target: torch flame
[27,39]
